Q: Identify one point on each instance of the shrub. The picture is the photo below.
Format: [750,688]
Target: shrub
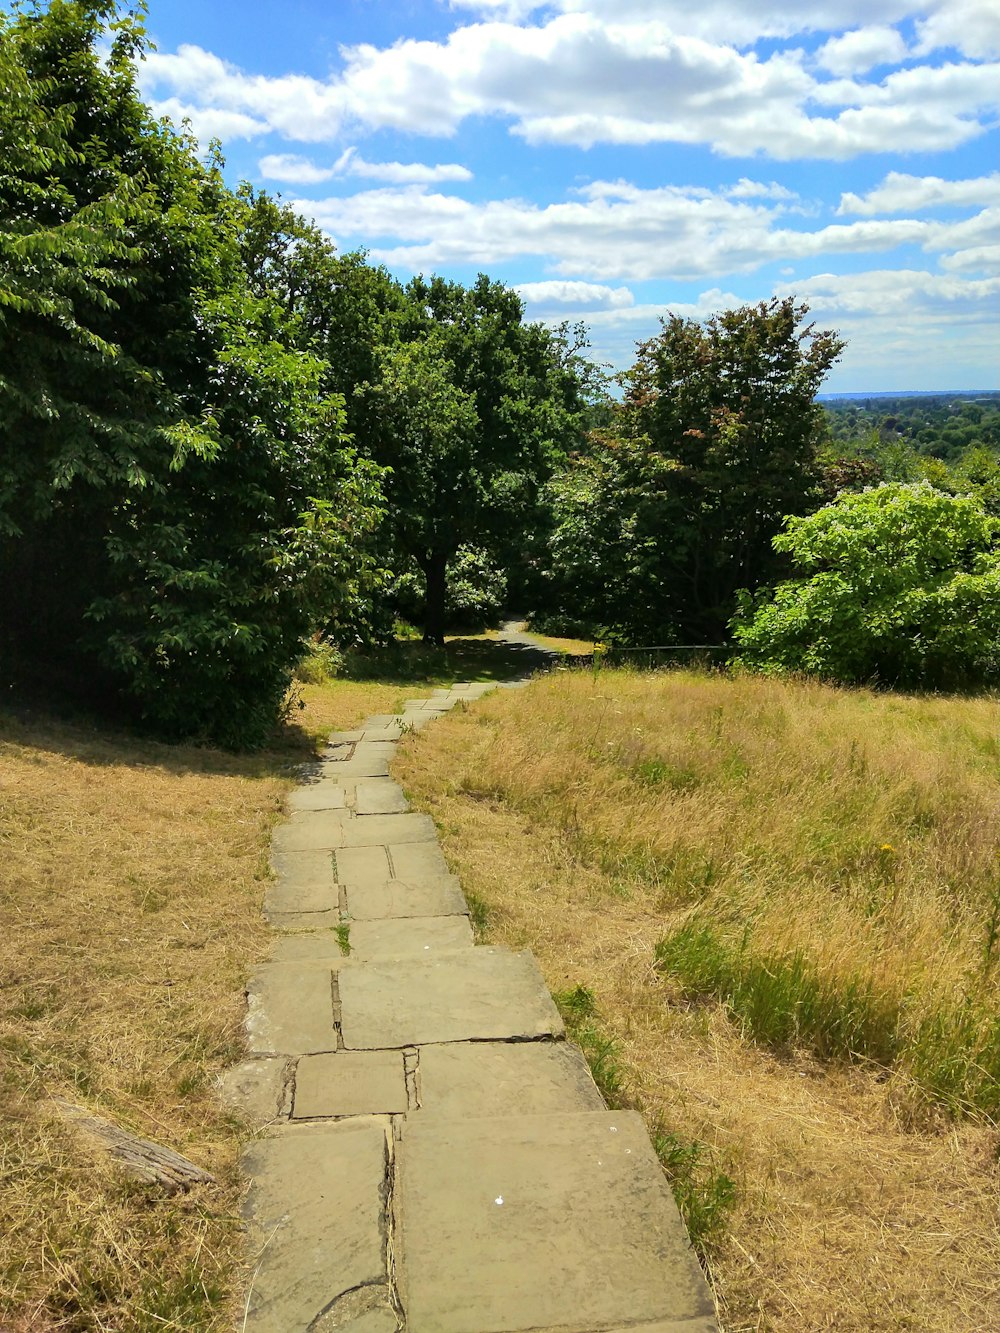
[900,585]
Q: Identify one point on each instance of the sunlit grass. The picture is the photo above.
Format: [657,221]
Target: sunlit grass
[781,902]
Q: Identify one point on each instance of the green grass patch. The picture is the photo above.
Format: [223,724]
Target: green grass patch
[783,1001]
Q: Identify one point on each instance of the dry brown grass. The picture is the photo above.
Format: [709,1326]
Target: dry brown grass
[131,882]
[589,814]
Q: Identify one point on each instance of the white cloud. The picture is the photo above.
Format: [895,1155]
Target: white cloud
[899,192]
[858,51]
[301,171]
[616,230]
[970,26]
[581,296]
[977,259]
[634,74]
[210,122]
[907,327]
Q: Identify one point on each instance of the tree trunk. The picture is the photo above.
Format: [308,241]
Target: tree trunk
[435,567]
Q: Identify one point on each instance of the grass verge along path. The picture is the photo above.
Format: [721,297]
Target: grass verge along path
[776,908]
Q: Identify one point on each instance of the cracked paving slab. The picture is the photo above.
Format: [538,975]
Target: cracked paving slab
[317,1213]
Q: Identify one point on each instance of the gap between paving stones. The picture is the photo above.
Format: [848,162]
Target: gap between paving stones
[436,1157]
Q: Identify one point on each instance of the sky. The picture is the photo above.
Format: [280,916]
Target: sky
[615,160]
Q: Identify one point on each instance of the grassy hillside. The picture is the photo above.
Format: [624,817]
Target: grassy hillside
[772,912]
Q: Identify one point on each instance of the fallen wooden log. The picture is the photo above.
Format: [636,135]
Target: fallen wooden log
[139,1158]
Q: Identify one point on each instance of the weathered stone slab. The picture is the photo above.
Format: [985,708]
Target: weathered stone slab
[485,1078]
[418,719]
[350,769]
[415,935]
[417,861]
[379,796]
[290,1010]
[318,796]
[536,1222]
[365,1310]
[363,866]
[381,720]
[477,994]
[311,831]
[388,830]
[346,737]
[257,1088]
[309,946]
[434,897]
[299,921]
[317,1207]
[305,883]
[392,733]
[350,1083]
[307,869]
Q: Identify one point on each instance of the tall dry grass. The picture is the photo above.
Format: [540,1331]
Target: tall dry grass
[131,882]
[783,898]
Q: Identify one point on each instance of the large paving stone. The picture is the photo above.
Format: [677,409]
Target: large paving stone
[485,1078]
[322,795]
[388,830]
[412,936]
[542,1222]
[350,1083]
[363,865]
[305,883]
[391,898]
[478,994]
[311,831]
[317,1205]
[379,796]
[290,1010]
[318,945]
[258,1089]
[417,862]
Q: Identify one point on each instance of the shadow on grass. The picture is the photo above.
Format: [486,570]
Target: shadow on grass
[411,662]
[55,725]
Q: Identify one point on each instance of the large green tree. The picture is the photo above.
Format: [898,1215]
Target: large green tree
[500,408]
[714,443]
[178,502]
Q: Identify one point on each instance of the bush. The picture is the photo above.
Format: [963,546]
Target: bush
[900,586]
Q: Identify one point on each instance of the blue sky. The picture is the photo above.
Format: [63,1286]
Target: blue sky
[615,159]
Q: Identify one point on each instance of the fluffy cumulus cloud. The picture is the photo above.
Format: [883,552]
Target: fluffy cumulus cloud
[578,296]
[618,231]
[858,51]
[900,192]
[632,72]
[297,170]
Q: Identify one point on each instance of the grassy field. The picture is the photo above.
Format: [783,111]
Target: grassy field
[131,882]
[772,915]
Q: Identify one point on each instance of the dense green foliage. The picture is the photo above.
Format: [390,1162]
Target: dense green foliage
[673,509]
[899,585]
[179,504]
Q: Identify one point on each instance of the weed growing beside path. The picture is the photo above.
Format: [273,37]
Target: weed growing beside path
[782,900]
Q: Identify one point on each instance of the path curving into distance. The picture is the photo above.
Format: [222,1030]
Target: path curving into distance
[436,1157]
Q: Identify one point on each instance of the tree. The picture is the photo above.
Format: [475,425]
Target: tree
[471,409]
[899,585]
[179,502]
[726,414]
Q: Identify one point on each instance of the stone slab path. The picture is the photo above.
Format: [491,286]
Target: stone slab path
[435,1156]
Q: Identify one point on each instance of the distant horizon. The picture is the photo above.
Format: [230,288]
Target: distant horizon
[905,393]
